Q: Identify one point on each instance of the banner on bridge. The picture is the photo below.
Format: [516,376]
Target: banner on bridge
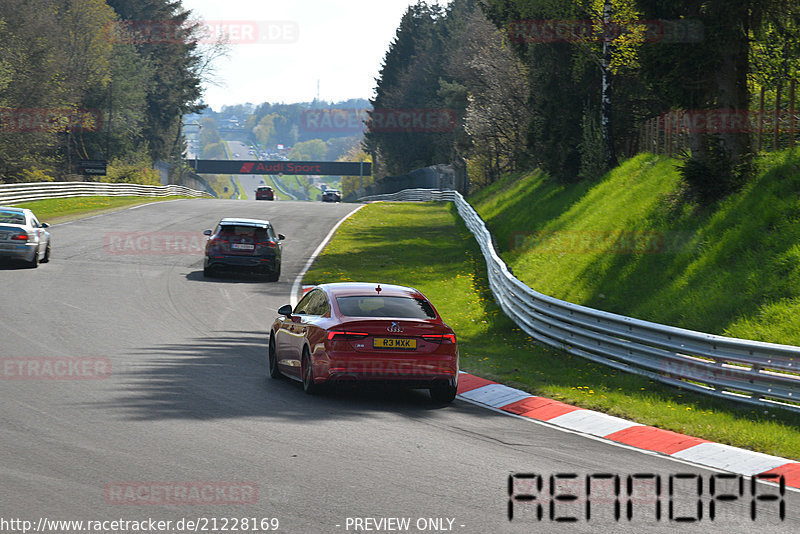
[335,168]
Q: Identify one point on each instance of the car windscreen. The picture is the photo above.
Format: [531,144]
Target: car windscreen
[376,306]
[12,217]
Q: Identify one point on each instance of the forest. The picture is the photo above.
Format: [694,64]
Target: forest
[566,86]
[82,80]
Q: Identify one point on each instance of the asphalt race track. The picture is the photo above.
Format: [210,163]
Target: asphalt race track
[160,408]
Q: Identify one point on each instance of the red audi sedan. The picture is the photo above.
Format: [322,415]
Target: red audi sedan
[357,332]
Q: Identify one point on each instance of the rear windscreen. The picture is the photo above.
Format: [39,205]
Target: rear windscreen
[375,306]
[12,217]
[229,231]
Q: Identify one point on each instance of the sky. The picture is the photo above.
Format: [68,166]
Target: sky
[280,50]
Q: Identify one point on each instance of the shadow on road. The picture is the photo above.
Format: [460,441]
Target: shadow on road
[232,276]
[226,377]
[9,265]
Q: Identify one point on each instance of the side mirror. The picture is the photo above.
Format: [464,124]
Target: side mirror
[286,310]
[281,237]
[207,232]
[45,225]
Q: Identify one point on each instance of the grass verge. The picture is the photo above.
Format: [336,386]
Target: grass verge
[428,247]
[56,210]
[732,269]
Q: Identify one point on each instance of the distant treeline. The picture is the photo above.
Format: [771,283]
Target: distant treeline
[94,79]
[323,131]
[565,85]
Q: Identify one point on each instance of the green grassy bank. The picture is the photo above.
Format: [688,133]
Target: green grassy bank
[54,210]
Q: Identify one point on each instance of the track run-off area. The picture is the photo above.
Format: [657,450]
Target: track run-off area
[162,410]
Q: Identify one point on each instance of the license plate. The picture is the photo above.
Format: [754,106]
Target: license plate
[394,343]
[242,246]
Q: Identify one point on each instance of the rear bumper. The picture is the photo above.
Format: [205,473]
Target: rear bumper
[21,252]
[242,263]
[420,372]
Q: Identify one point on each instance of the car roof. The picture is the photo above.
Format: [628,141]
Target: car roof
[246,222]
[344,289]
[18,210]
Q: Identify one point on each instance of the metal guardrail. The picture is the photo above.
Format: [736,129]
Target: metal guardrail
[414,195]
[765,374]
[282,187]
[26,192]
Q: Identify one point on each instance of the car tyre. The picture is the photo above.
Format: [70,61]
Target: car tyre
[309,386]
[274,372]
[207,272]
[46,254]
[34,263]
[274,277]
[445,394]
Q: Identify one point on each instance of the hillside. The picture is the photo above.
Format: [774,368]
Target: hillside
[626,245]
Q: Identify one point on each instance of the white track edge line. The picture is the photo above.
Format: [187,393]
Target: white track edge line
[156,202]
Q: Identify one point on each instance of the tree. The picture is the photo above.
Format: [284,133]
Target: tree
[177,66]
[495,88]
[351,184]
[123,101]
[408,82]
[264,131]
[709,76]
[313,150]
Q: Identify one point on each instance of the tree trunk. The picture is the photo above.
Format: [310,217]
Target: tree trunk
[609,155]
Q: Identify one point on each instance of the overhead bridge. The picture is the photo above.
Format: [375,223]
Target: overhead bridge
[334,168]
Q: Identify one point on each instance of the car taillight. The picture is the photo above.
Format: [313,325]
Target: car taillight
[345,336]
[446,339]
[216,241]
[270,244]
[20,237]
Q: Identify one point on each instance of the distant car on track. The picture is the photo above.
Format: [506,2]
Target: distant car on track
[265,193]
[23,237]
[358,332]
[331,195]
[249,245]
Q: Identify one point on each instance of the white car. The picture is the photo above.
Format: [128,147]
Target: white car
[23,237]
